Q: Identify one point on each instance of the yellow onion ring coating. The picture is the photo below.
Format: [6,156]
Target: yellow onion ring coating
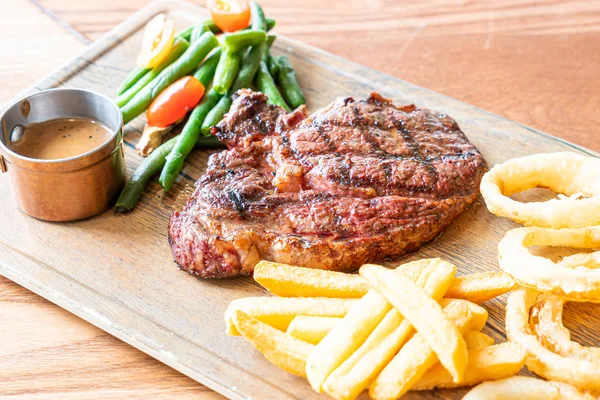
[546,323]
[576,282]
[581,373]
[567,173]
[526,388]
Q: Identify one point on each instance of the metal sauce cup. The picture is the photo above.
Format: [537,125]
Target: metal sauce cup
[70,188]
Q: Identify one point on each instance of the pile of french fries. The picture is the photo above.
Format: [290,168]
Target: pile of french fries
[417,327]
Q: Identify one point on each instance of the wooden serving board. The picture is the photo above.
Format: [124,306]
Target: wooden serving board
[116,271]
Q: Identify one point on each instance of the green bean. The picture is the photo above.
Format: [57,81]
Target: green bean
[270,24]
[259,22]
[179,47]
[216,114]
[215,29]
[209,142]
[240,39]
[227,70]
[290,89]
[265,83]
[249,67]
[188,138]
[197,32]
[183,66]
[207,70]
[151,165]
[254,54]
[135,75]
[186,33]
[268,55]
[209,23]
[273,65]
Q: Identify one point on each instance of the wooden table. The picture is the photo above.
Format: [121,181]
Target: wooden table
[532,61]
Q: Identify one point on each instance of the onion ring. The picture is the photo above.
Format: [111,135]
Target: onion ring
[526,388]
[577,277]
[589,260]
[579,372]
[546,323]
[567,173]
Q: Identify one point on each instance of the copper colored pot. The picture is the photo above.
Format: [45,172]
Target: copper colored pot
[70,188]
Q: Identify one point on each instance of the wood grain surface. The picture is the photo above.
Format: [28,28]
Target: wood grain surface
[45,351]
[536,65]
[31,45]
[532,61]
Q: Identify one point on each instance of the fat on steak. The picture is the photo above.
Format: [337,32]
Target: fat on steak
[356,182]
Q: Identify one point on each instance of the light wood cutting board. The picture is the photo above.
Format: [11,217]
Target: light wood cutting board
[116,271]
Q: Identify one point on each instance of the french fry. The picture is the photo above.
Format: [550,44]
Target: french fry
[282,350]
[477,340]
[485,363]
[288,281]
[311,329]
[356,373]
[481,287]
[345,338]
[278,312]
[416,357]
[477,317]
[424,313]
[526,388]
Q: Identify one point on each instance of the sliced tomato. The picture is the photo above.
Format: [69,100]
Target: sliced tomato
[159,35]
[229,15]
[175,101]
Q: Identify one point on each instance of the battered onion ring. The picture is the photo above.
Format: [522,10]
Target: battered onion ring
[577,277]
[526,388]
[568,173]
[546,322]
[582,373]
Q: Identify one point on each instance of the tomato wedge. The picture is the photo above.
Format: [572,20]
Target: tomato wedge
[229,15]
[159,35]
[175,101]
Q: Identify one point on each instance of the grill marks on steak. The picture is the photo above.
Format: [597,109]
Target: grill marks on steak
[357,181]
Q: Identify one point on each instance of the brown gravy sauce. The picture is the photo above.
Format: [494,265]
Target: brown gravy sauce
[61,138]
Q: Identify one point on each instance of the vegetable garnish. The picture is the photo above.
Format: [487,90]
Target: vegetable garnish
[242,39]
[157,42]
[179,47]
[222,67]
[229,15]
[181,67]
[175,102]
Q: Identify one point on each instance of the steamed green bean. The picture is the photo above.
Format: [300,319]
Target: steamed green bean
[265,83]
[227,70]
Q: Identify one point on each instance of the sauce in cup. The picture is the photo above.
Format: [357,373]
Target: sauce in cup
[62,150]
[61,138]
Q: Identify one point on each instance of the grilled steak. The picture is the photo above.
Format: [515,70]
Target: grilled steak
[358,181]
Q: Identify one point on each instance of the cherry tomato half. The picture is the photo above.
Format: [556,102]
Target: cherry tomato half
[229,15]
[175,101]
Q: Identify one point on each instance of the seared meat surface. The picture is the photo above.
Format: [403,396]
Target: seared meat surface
[356,182]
